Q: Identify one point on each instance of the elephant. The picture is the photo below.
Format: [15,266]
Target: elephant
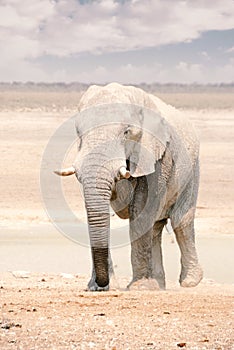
[141,157]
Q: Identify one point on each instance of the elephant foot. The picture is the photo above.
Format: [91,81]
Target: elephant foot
[191,277]
[144,284]
[94,287]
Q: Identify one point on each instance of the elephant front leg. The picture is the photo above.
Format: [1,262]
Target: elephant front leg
[141,212]
[141,257]
[191,271]
[157,259]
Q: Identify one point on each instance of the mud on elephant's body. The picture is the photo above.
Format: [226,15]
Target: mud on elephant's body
[141,156]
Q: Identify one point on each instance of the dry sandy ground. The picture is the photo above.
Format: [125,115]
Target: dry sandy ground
[54,312]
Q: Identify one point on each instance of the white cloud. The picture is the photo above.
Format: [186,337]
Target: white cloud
[182,72]
[32,29]
[21,70]
[187,72]
[222,73]
[230,50]
[66,27]
[205,55]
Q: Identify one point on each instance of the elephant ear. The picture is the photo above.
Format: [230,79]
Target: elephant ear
[150,145]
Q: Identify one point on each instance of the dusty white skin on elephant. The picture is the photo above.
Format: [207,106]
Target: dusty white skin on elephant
[115,93]
[157,150]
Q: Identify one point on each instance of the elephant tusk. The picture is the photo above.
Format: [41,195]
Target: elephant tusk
[66,171]
[124,172]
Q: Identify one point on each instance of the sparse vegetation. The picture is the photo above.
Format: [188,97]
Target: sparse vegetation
[62,96]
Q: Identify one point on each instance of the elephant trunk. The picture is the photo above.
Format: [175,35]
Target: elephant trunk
[97,193]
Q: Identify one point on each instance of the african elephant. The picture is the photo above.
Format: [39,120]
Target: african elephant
[140,156]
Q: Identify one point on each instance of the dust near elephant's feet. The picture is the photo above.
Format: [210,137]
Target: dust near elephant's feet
[144,284]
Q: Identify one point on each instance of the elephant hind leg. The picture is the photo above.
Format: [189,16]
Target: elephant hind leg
[157,259]
[191,271]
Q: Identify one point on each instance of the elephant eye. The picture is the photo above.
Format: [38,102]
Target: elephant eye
[127,131]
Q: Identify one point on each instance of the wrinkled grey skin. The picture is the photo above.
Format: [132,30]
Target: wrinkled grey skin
[123,126]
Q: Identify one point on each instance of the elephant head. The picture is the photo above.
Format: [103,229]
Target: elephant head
[115,141]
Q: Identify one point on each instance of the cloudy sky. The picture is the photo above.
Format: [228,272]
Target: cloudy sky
[129,41]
